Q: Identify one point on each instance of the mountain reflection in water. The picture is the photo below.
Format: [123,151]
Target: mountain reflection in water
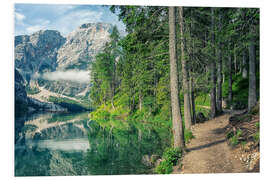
[70,144]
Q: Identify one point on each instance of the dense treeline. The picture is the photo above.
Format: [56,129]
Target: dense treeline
[172,57]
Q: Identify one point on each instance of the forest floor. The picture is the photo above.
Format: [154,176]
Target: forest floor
[209,151]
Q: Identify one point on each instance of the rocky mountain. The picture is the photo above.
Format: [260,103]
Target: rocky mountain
[26,104]
[82,45]
[79,49]
[37,53]
[45,58]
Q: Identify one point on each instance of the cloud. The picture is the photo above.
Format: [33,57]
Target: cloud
[19,16]
[74,19]
[64,18]
[41,25]
[35,28]
[70,75]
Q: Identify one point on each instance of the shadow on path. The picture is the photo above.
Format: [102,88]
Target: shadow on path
[206,145]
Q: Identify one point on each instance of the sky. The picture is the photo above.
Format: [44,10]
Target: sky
[30,18]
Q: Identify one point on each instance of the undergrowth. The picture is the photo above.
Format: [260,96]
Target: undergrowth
[170,158]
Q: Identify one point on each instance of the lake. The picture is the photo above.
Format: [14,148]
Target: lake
[70,144]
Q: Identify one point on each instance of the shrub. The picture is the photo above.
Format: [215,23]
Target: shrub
[256,136]
[170,158]
[188,135]
[165,167]
[100,115]
[172,155]
[229,135]
[257,125]
[234,139]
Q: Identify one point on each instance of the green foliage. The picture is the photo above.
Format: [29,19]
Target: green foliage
[256,136]
[100,115]
[165,167]
[170,158]
[234,140]
[130,77]
[239,90]
[31,91]
[257,124]
[202,104]
[188,136]
[172,155]
[71,105]
[229,135]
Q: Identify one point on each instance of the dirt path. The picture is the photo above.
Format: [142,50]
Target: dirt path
[209,151]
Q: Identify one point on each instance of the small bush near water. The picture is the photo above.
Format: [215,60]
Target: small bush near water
[170,158]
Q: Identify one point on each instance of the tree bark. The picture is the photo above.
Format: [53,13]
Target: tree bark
[176,118]
[244,65]
[187,111]
[230,79]
[252,75]
[213,70]
[235,59]
[140,101]
[219,81]
[193,101]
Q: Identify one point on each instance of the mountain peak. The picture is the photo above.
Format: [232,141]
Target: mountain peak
[83,44]
[99,24]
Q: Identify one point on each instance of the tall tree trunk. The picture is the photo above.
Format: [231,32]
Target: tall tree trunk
[219,83]
[176,117]
[140,100]
[244,65]
[252,74]
[235,59]
[213,69]
[230,79]
[193,101]
[219,73]
[187,112]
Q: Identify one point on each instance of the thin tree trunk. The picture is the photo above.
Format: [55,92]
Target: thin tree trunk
[187,112]
[193,101]
[213,70]
[244,65]
[190,100]
[252,75]
[140,100]
[176,118]
[230,79]
[219,81]
[235,59]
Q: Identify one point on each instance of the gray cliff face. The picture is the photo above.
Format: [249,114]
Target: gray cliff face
[82,45]
[20,93]
[47,51]
[37,53]
[25,103]
[80,48]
